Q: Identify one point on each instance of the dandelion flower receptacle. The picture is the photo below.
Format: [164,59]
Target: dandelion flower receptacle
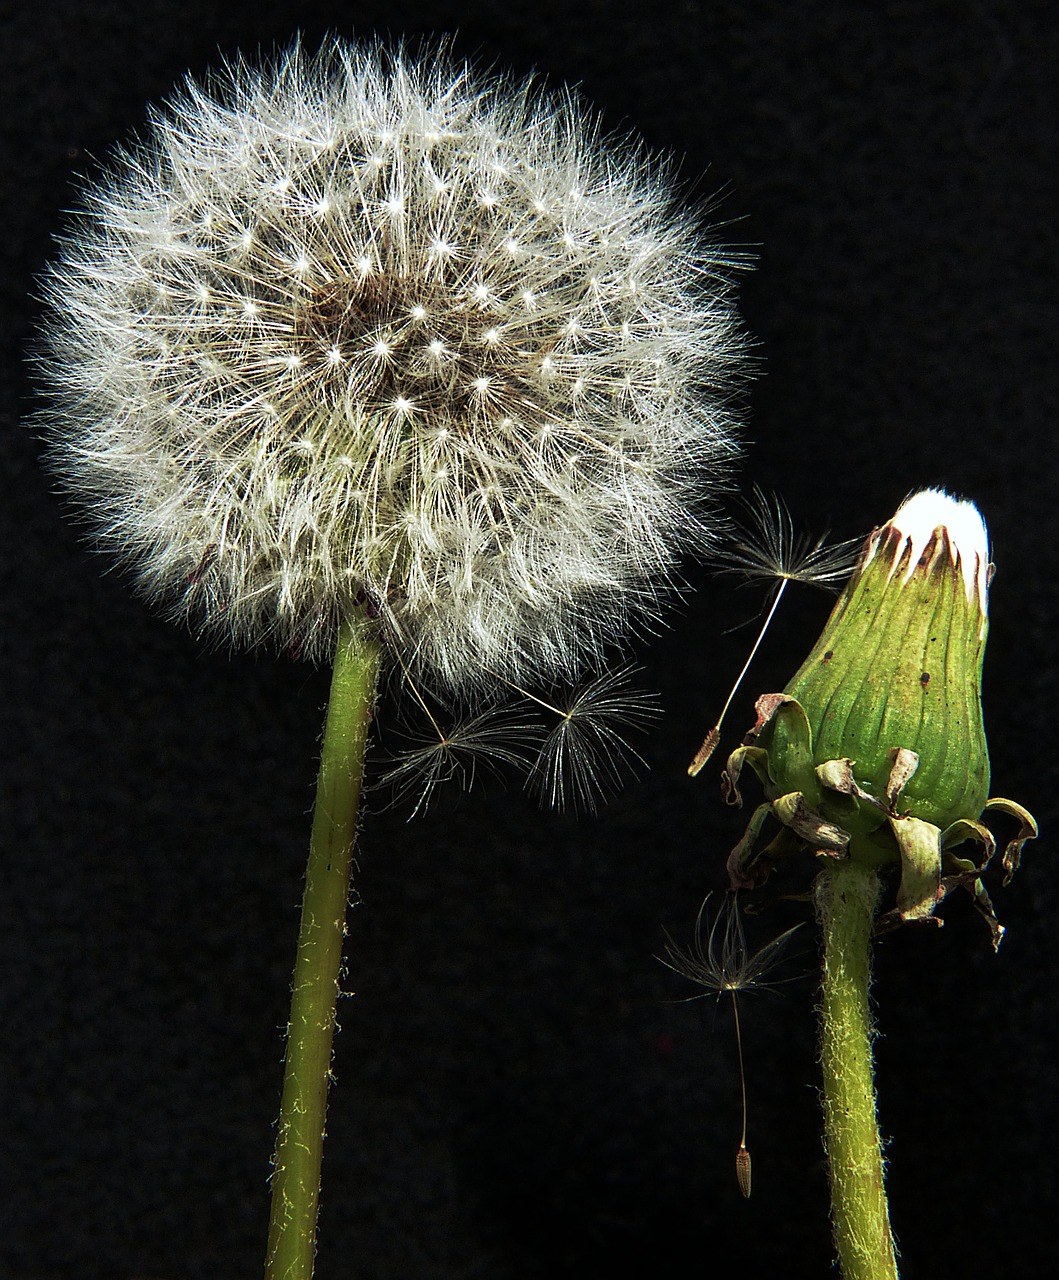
[874,759]
[384,361]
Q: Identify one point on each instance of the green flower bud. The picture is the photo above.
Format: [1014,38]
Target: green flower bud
[899,663]
[876,751]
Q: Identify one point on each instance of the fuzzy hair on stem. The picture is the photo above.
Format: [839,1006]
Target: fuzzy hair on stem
[364,337]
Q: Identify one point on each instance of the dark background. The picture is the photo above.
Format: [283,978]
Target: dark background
[517,1097]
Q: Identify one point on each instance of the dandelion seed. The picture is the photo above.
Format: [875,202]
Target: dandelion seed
[489,740]
[770,549]
[720,962]
[742,1168]
[718,959]
[586,755]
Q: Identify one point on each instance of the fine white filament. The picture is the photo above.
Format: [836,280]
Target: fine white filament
[357,334]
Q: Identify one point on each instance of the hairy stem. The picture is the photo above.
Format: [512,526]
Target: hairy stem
[846,897]
[300,1134]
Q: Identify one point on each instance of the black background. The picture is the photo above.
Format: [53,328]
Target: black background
[517,1097]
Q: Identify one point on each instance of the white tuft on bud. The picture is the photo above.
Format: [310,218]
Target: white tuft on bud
[921,515]
[360,332]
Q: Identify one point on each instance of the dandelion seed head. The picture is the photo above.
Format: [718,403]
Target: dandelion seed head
[358,326]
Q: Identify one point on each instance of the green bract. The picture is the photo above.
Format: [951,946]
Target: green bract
[876,749]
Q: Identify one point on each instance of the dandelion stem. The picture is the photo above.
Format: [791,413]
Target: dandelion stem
[300,1134]
[846,897]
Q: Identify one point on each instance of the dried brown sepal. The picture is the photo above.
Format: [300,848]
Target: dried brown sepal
[756,758]
[920,889]
[837,777]
[821,836]
[757,864]
[965,873]
[1012,856]
[747,869]
[765,708]
[905,763]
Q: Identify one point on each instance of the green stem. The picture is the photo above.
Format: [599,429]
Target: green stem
[300,1134]
[846,898]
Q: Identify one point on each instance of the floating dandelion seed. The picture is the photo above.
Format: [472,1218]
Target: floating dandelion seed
[770,549]
[718,960]
[574,750]
[485,742]
[586,756]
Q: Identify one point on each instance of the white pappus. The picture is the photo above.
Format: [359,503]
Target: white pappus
[361,336]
